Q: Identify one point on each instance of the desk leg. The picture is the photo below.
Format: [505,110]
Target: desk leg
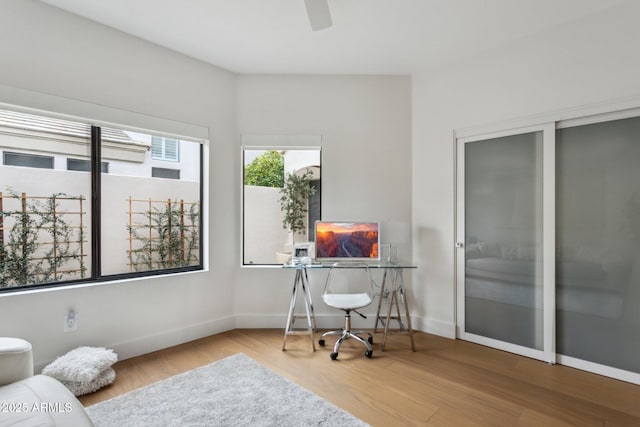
[311,315]
[403,298]
[301,282]
[382,285]
[394,302]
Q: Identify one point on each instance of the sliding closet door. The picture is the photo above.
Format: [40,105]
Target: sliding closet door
[548,242]
[598,244]
[501,268]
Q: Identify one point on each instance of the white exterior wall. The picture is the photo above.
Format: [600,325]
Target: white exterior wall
[45,182]
[295,160]
[116,190]
[263,225]
[590,61]
[188,164]
[187,151]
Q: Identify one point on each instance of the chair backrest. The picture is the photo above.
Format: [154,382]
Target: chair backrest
[349,278]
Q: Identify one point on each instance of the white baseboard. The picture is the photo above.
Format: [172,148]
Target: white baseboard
[435,327]
[329,321]
[323,321]
[169,338]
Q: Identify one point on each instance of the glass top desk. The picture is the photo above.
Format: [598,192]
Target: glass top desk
[391,292]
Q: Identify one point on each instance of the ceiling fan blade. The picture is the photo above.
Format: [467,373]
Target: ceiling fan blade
[319,14]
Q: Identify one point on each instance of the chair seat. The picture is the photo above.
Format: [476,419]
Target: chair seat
[347,301]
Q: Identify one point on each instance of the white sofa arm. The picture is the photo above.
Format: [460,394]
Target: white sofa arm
[16,360]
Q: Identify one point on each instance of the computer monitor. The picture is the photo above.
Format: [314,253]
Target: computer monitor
[347,241]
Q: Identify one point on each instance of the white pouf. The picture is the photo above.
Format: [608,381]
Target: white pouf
[84,369]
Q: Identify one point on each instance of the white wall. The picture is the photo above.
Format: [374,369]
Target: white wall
[45,50]
[365,123]
[369,139]
[366,127]
[590,61]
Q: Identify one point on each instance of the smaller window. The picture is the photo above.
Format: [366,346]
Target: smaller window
[85,166]
[28,160]
[164,149]
[165,173]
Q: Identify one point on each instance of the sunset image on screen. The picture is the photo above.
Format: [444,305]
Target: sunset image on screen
[346,240]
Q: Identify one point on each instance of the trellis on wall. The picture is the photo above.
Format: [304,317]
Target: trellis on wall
[42,238]
[163,234]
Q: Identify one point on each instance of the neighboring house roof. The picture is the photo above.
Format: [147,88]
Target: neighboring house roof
[33,123]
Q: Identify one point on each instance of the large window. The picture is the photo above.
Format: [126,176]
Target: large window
[281,201]
[58,226]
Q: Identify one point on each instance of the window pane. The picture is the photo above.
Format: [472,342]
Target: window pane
[46,214]
[28,160]
[85,165]
[598,243]
[165,173]
[266,237]
[156,147]
[148,223]
[170,149]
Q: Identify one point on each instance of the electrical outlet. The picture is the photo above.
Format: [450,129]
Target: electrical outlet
[71,321]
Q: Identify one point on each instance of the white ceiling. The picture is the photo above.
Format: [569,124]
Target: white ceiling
[367,36]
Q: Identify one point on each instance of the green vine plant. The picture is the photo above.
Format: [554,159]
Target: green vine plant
[294,197]
[169,237]
[40,246]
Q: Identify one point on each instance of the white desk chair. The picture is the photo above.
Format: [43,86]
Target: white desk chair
[349,287]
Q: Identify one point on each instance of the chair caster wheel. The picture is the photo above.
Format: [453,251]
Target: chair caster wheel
[370,340]
[368,353]
[321,343]
[333,356]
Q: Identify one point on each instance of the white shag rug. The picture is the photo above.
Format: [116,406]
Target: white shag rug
[236,391]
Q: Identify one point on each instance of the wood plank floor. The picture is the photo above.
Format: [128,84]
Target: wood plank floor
[444,383]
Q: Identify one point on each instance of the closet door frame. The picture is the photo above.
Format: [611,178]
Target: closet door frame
[548,123]
[547,353]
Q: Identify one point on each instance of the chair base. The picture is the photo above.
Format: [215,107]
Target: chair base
[345,335]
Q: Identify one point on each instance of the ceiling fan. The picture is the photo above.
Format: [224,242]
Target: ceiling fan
[319,14]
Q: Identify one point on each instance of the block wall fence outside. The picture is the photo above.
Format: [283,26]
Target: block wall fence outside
[44,183]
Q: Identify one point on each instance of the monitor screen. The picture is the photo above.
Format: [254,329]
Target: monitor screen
[342,240]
